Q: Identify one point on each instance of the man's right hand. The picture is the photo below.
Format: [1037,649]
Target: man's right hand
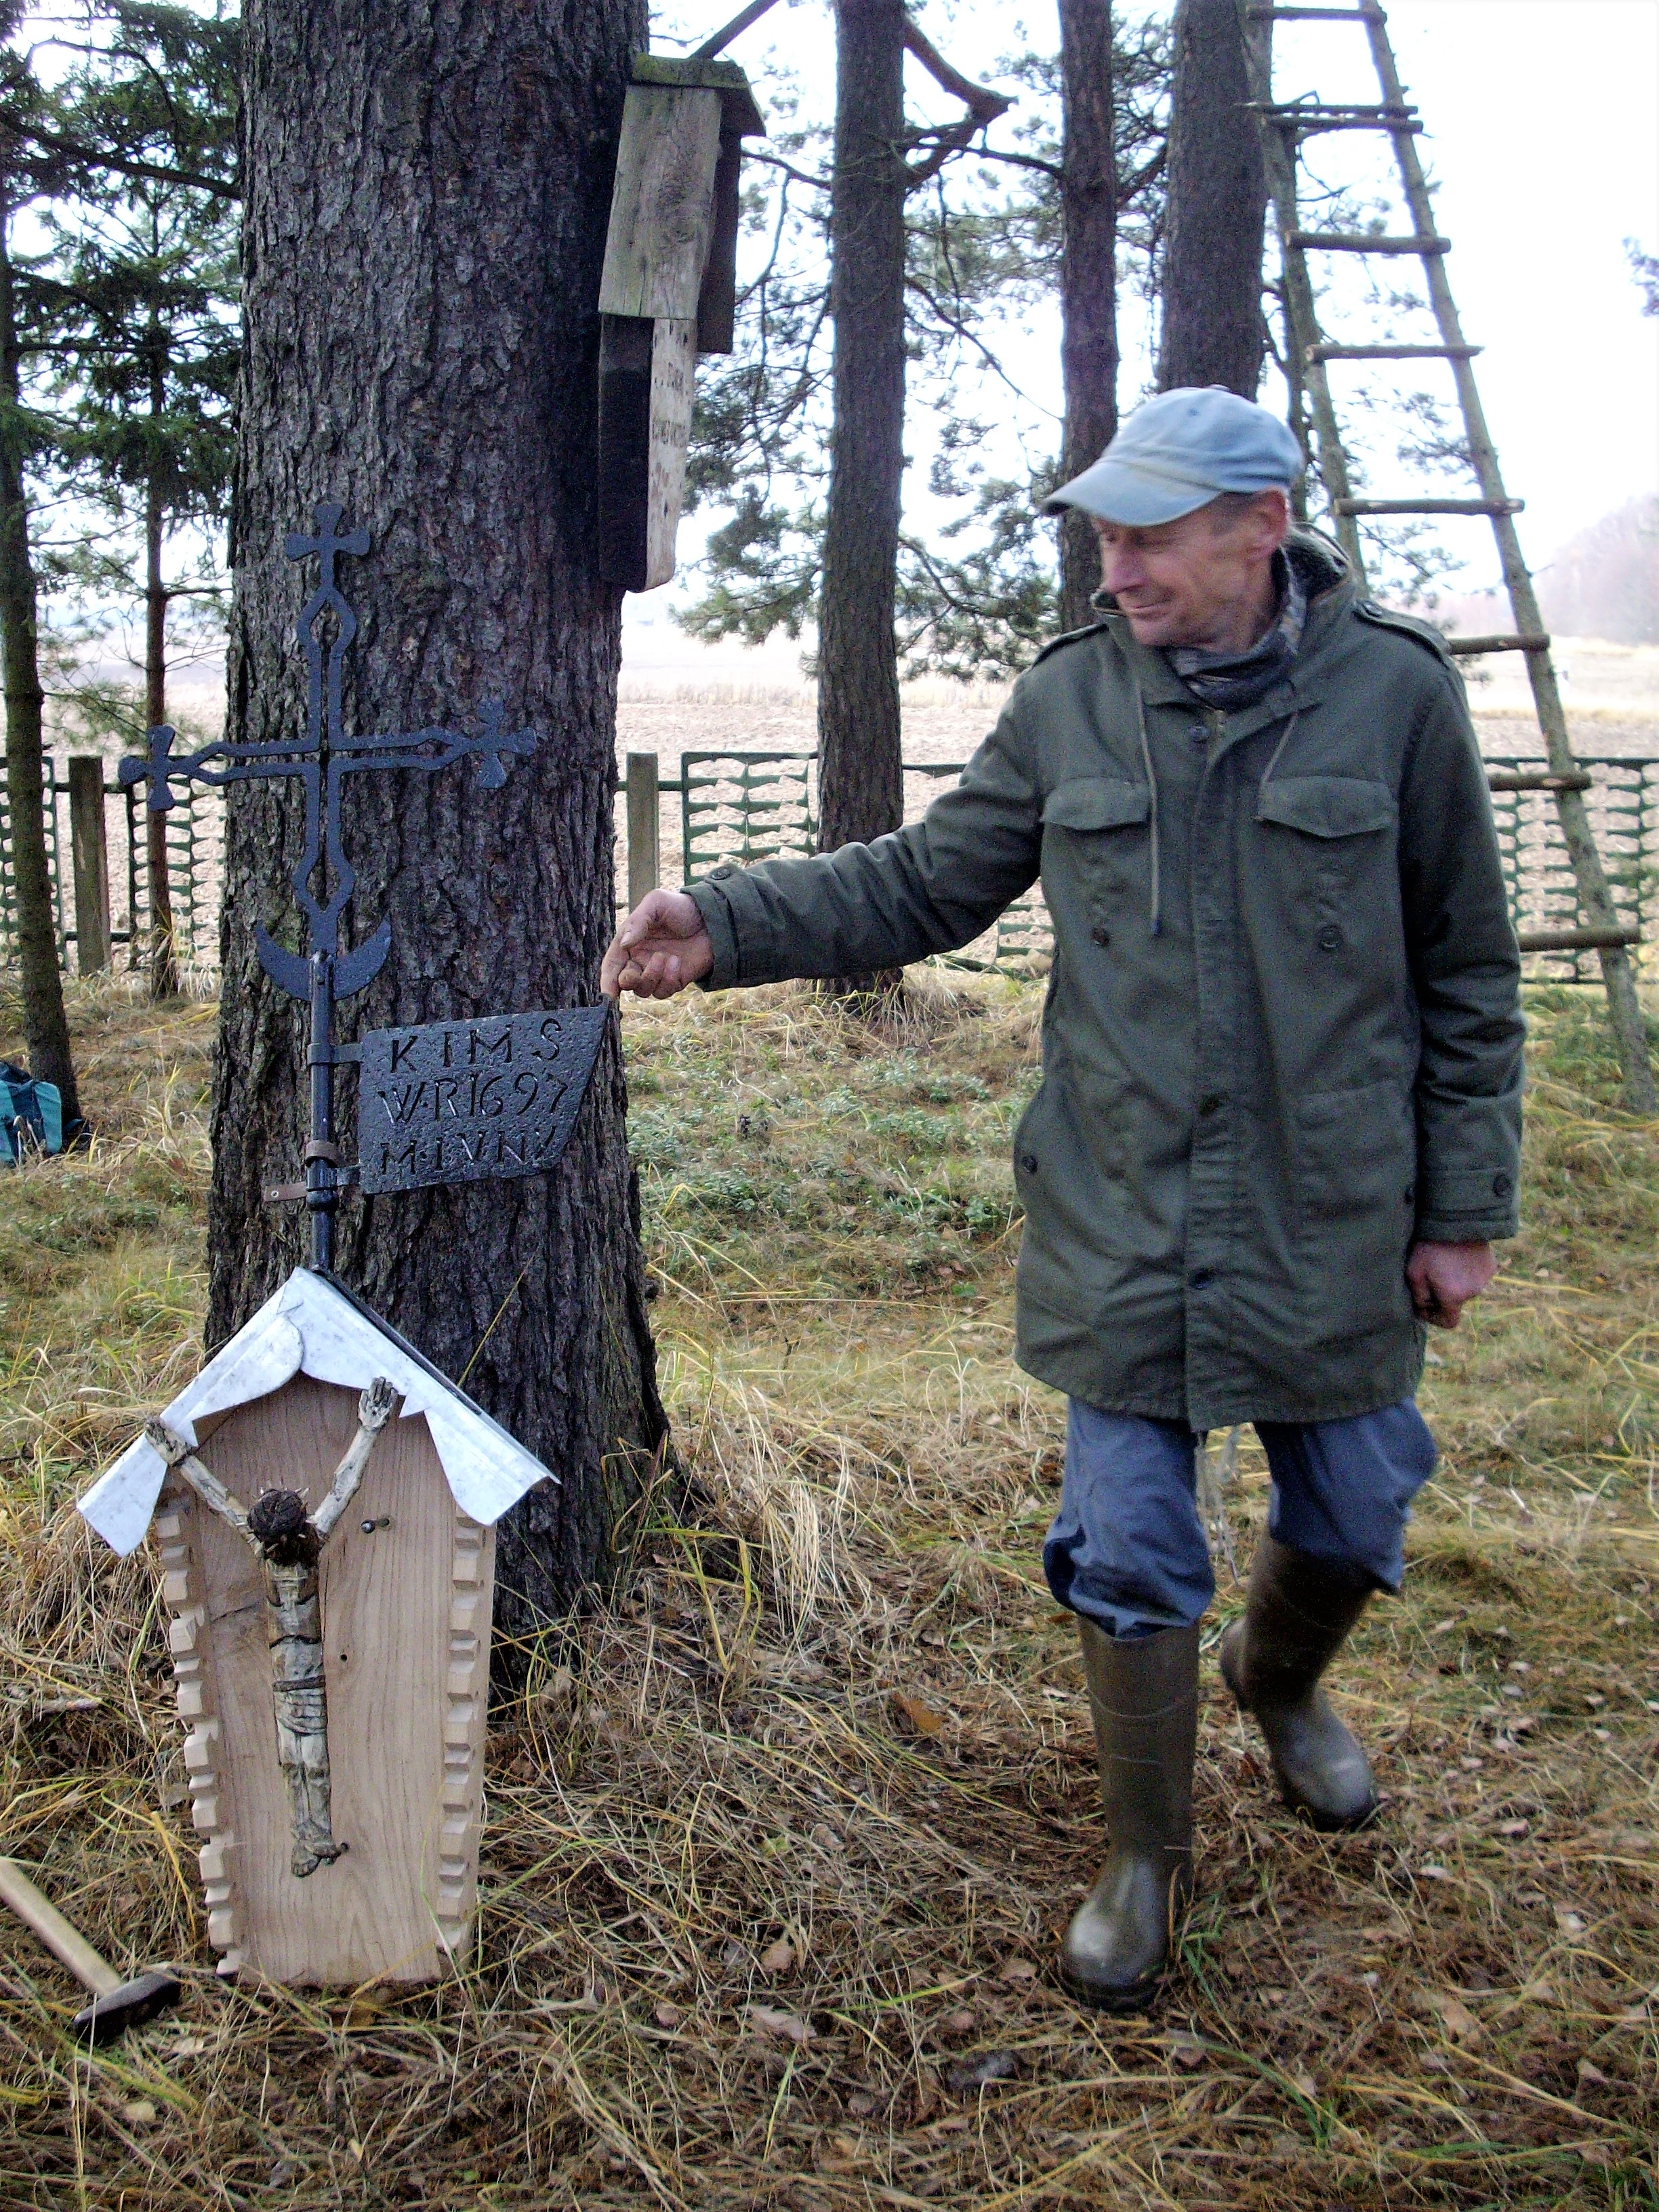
[659,949]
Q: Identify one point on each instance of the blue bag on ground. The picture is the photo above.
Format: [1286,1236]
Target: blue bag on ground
[31,1113]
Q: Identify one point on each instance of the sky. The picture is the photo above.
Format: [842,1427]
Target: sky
[1542,135]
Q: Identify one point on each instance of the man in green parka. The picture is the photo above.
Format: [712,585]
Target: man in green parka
[1279,1126]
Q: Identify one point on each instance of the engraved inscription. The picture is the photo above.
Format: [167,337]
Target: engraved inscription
[465,1101]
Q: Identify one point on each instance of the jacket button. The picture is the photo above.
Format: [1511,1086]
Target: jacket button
[1100,934]
[1329,937]
[1201,1276]
[1502,1185]
[718,875]
[1028,1161]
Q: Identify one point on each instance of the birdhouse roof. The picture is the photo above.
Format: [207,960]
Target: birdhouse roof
[314,1326]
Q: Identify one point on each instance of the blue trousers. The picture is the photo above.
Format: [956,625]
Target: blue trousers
[1127,1550]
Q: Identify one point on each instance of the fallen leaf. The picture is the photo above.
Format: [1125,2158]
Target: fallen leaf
[1432,1872]
[861,2104]
[922,1718]
[1019,1969]
[1570,1924]
[1590,2073]
[1513,1827]
[667,2016]
[1305,2083]
[140,2111]
[282,2175]
[1598,2154]
[778,1958]
[1459,2022]
[1185,2048]
[959,2023]
[787,2025]
[979,2072]
[191,2046]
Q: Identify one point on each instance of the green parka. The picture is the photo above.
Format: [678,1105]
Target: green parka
[1282,1039]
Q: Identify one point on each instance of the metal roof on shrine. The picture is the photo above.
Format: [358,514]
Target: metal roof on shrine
[314,1326]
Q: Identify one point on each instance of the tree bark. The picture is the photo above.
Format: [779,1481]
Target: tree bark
[163,949]
[1088,282]
[860,764]
[428,192]
[46,1026]
[1213,330]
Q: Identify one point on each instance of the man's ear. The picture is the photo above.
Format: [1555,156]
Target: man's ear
[1274,508]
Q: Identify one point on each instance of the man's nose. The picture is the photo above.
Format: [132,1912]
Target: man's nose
[1120,568]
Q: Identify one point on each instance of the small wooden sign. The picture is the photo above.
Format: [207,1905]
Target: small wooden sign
[668,293]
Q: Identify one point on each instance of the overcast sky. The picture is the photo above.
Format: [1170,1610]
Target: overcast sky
[1543,132]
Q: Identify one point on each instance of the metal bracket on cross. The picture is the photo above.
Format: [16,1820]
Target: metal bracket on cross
[464,1144]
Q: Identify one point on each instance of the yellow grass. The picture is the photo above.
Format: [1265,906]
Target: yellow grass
[781,1836]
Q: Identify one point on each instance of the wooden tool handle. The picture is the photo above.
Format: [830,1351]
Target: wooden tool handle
[40,1914]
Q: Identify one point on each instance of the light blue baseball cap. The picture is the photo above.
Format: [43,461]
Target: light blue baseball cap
[1178,452]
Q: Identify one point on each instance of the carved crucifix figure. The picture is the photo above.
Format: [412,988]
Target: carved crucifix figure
[289,1541]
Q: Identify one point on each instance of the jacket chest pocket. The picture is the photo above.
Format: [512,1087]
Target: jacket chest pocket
[1088,827]
[1342,830]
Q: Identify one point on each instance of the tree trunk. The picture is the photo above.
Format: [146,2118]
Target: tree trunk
[46,1027]
[428,192]
[163,950]
[1213,330]
[861,764]
[1088,282]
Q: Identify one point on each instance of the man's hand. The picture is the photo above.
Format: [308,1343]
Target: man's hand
[659,949]
[1443,1278]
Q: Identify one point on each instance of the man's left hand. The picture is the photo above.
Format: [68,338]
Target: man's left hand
[1443,1278]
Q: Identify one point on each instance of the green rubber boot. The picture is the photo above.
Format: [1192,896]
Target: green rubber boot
[1144,1696]
[1298,1615]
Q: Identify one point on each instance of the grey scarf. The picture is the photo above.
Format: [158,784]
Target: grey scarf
[1230,680]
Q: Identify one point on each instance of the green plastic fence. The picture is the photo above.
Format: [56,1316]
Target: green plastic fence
[753,806]
[194,832]
[742,807]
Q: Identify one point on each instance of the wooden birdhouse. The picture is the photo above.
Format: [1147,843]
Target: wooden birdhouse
[668,293]
[324,1501]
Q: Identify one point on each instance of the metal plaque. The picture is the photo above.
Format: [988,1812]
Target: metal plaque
[472,1101]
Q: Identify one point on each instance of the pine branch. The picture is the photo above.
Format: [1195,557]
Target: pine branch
[122,165]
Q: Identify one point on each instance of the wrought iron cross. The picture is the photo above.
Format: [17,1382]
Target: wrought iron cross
[323,880]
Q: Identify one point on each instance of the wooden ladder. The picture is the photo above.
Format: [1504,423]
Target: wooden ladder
[1285,127]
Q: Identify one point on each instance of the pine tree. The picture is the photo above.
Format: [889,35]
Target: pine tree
[142,283]
[986,239]
[25,176]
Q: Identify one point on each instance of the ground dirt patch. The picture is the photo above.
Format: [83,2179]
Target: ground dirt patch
[782,1834]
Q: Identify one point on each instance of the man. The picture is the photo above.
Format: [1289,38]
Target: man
[1279,1120]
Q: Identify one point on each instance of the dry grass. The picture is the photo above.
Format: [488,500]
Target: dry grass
[779,1846]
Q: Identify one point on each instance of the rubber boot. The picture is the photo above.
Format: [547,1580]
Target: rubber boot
[1144,1696]
[1298,1613]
